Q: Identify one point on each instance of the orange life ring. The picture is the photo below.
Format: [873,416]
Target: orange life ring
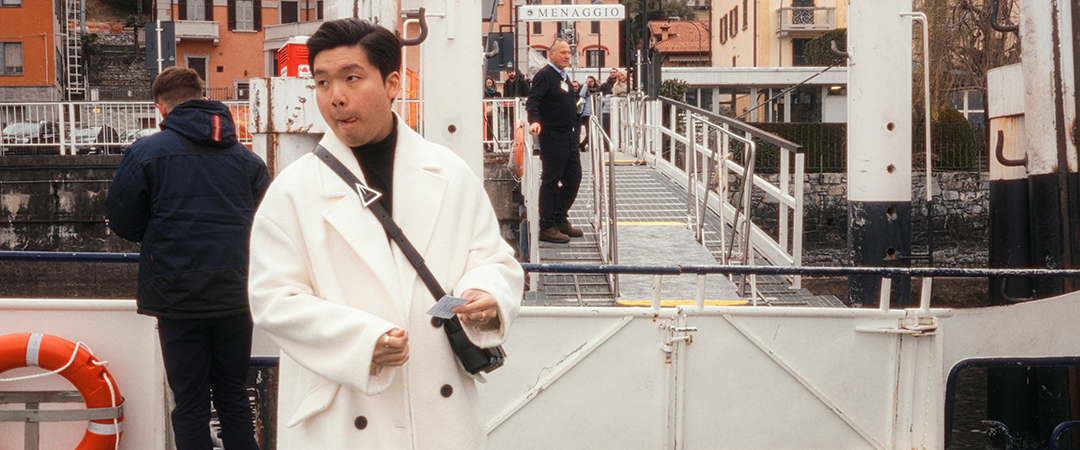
[94,383]
[519,149]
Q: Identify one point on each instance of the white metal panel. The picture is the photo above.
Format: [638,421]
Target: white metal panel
[584,381]
[739,381]
[879,145]
[1005,92]
[452,71]
[115,333]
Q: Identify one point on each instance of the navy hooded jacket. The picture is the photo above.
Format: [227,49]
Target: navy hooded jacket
[189,194]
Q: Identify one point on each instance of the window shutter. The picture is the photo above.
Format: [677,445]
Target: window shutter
[232,14]
[256,11]
[181,10]
[209,8]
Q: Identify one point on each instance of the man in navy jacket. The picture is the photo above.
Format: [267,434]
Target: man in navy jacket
[189,194]
[552,108]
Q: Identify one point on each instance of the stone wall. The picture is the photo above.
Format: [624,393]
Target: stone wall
[960,218]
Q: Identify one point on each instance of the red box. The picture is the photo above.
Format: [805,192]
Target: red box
[293,58]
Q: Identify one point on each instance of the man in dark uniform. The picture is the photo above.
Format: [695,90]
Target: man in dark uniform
[552,108]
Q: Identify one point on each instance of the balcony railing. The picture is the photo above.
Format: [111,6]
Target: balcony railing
[808,20]
[197,30]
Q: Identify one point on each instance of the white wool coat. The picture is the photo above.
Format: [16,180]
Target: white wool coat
[326,283]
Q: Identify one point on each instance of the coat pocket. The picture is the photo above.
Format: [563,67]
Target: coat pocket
[316,401]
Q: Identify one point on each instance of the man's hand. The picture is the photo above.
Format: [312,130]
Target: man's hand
[534,128]
[482,311]
[392,349]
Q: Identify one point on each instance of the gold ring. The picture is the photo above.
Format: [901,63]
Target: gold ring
[483,315]
[386,340]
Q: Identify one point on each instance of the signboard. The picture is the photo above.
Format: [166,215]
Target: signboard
[570,13]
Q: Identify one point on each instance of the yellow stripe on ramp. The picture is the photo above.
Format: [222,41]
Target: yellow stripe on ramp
[682,302]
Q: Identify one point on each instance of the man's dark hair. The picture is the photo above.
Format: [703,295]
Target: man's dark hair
[382,47]
[176,85]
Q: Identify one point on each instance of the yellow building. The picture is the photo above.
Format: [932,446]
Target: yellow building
[770,33]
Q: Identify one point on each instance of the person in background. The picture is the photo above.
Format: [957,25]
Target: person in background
[490,91]
[189,194]
[605,101]
[586,113]
[552,108]
[362,365]
[515,85]
[621,86]
[593,86]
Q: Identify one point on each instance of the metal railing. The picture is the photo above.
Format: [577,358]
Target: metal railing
[82,128]
[712,157]
[810,19]
[500,119]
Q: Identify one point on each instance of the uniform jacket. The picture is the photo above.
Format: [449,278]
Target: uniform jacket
[190,201]
[326,283]
[552,101]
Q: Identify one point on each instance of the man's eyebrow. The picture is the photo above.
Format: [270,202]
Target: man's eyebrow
[346,68]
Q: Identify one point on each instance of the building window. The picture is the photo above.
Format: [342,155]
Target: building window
[798,52]
[594,58]
[290,12]
[318,10]
[538,28]
[11,56]
[970,104]
[745,10]
[12,3]
[594,27]
[242,90]
[198,64]
[734,21]
[245,15]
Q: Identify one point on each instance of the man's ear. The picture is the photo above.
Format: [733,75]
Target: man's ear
[161,109]
[393,84]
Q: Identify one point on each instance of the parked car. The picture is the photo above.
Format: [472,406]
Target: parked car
[99,140]
[30,138]
[130,136]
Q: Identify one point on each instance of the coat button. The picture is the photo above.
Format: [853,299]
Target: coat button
[447,390]
[360,422]
[436,322]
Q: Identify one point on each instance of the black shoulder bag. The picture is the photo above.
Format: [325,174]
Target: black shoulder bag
[473,358]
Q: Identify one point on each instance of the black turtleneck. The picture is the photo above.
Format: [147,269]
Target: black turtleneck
[377,162]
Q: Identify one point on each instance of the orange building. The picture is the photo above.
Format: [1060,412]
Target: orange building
[31,50]
[224,40]
[596,43]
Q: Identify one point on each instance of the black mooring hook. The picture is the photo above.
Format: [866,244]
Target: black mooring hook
[416,14]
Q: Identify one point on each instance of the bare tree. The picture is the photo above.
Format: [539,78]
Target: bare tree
[963,45]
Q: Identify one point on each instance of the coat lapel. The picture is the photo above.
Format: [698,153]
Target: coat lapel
[359,227]
[419,188]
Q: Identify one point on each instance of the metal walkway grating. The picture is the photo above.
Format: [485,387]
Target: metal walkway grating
[643,196]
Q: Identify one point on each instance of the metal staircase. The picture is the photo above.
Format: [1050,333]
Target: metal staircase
[76,83]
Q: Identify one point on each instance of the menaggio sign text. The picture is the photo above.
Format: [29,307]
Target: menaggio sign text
[538,13]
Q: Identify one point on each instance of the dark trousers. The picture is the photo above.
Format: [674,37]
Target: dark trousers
[560,176]
[204,355]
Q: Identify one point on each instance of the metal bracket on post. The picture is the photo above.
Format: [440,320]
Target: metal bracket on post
[419,15]
[32,415]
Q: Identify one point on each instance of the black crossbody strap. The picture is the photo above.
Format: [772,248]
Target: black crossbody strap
[370,199]
[474,359]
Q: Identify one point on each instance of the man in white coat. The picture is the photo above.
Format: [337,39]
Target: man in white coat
[362,364]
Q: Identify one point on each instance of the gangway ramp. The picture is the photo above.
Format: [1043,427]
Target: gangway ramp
[651,220]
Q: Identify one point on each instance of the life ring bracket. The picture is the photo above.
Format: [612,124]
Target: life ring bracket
[53,415]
